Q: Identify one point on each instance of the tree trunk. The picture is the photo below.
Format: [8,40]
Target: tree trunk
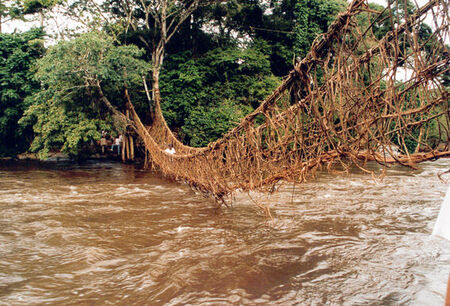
[127,140]
[156,95]
[41,15]
[127,148]
[131,148]
[123,148]
[158,57]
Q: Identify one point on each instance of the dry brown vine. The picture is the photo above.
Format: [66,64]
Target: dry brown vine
[342,105]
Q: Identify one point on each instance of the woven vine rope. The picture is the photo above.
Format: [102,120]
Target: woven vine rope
[347,102]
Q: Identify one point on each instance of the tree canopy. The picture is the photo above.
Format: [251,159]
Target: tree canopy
[68,113]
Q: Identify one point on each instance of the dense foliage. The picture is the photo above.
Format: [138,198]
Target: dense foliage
[205,97]
[212,68]
[67,114]
[18,53]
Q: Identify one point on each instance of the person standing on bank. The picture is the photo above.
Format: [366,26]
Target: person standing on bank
[103,142]
[116,144]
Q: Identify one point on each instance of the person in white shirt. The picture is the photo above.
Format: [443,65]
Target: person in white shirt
[116,143]
[170,149]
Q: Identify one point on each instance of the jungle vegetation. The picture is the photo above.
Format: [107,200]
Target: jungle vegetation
[211,61]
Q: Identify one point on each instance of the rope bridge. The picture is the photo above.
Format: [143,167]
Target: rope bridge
[342,105]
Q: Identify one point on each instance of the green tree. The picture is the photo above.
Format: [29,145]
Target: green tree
[8,10]
[210,57]
[288,26]
[313,18]
[83,81]
[153,23]
[18,53]
[38,7]
[206,96]
[205,125]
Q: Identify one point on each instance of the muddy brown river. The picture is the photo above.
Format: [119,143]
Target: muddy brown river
[108,233]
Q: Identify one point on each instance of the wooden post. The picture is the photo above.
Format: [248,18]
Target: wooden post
[123,148]
[131,148]
[126,141]
[127,148]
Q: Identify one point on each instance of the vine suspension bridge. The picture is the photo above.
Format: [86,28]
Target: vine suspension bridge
[341,106]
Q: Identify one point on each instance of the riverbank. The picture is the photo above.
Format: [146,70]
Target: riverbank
[57,157]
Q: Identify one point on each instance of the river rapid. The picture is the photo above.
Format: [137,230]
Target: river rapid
[109,233]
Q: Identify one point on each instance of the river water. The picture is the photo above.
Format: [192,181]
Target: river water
[108,233]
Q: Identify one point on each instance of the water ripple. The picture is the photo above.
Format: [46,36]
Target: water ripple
[110,233]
